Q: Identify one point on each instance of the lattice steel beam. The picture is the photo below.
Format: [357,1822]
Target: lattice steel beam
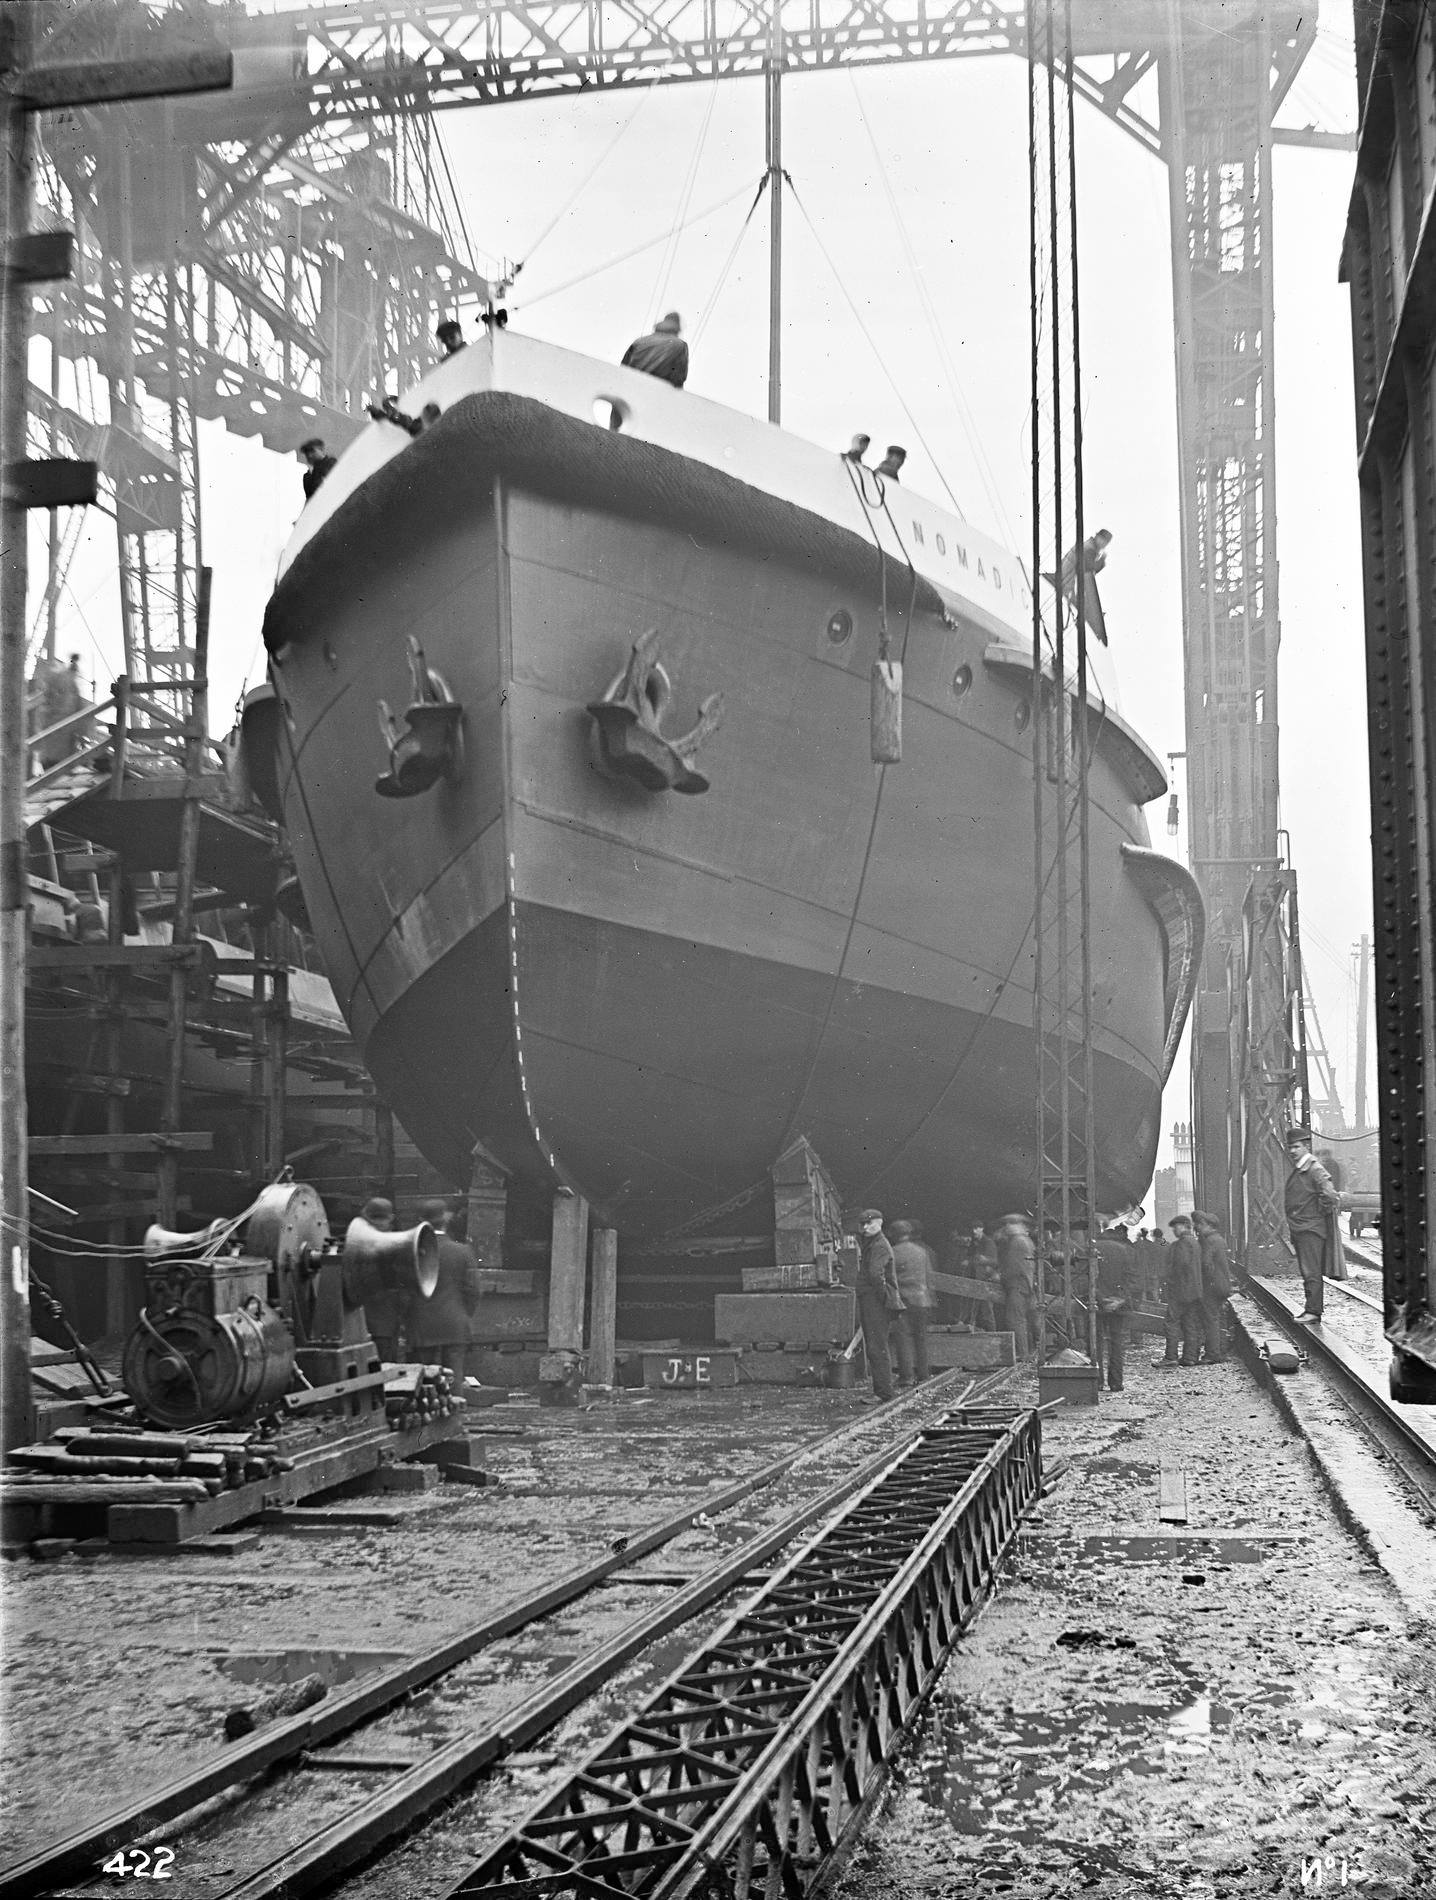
[1218,93]
[379,56]
[747,1772]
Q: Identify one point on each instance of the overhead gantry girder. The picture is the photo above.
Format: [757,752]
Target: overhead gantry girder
[378,56]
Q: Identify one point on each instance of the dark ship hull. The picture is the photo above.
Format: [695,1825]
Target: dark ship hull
[644,995]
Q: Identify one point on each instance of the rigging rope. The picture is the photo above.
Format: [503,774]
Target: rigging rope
[872,345]
[625,257]
[645,93]
[690,184]
[954,381]
[712,304]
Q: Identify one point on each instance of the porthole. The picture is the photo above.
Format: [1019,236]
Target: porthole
[1024,714]
[840,626]
[962,680]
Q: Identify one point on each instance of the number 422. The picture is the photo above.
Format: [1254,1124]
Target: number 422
[139,1861]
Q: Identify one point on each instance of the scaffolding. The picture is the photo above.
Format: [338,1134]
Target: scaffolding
[1061,749]
[1217,99]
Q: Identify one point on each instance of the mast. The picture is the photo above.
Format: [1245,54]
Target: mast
[773,128]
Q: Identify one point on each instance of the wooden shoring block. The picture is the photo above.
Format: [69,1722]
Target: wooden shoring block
[1171,1489]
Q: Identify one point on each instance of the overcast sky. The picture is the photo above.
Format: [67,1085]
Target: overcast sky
[906,178]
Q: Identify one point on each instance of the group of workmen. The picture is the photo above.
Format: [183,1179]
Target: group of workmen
[1020,1281]
[436,1331]
[898,1284]
[661,352]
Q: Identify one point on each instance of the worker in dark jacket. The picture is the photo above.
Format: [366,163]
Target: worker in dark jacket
[662,352]
[982,1265]
[439,1327]
[386,1312]
[1017,1272]
[913,1263]
[1156,1263]
[1311,1201]
[1216,1286]
[316,466]
[1184,1295]
[1116,1289]
[879,1300]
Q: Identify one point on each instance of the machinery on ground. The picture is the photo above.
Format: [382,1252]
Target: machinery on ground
[240,1314]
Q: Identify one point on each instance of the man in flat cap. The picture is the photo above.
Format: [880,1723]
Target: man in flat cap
[1184,1295]
[879,1300]
[1311,1201]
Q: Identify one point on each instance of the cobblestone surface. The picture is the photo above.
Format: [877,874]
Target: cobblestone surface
[1136,1713]
[1141,1709]
[118,1670]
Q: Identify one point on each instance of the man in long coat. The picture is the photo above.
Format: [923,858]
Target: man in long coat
[913,1264]
[439,1327]
[1216,1286]
[879,1300]
[1117,1284]
[1311,1201]
[1184,1295]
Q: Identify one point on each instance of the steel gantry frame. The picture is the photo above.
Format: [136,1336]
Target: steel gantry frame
[748,1772]
[275,270]
[1389,260]
[286,324]
[1217,102]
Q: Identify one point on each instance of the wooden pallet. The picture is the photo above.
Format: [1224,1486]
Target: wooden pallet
[325,1455]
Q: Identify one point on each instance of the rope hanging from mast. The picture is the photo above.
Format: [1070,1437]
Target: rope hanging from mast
[1062,964]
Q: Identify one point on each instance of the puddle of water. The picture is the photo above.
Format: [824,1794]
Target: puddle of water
[1183,1548]
[986,1778]
[277,1667]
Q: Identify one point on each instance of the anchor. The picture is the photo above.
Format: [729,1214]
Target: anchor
[630,717]
[433,746]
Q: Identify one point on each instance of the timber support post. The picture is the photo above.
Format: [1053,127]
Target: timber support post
[561,1368]
[603,1307]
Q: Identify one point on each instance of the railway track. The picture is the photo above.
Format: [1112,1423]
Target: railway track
[1352,1359]
[291,1782]
[750,1771]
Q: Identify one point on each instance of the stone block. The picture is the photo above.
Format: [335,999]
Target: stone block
[973,1352]
[791,1245]
[798,1278]
[504,1280]
[506,1365]
[503,1316]
[406,1478]
[785,1365]
[691,1368]
[823,1317]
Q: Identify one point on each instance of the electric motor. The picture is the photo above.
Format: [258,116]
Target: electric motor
[188,1367]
